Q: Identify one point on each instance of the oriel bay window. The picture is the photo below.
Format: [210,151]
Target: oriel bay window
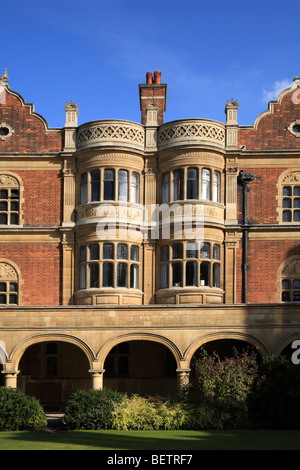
[188,265]
[110,185]
[192,183]
[107,264]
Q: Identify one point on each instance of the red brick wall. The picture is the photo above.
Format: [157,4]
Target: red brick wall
[29,134]
[271,132]
[42,196]
[262,202]
[39,265]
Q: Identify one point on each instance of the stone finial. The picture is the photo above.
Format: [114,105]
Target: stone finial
[5,77]
[71,114]
[231,112]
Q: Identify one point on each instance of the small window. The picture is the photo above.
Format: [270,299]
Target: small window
[205,184]
[177,274]
[122,251]
[121,275]
[107,275]
[108,251]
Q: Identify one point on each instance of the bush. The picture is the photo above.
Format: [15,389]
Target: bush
[19,411]
[222,387]
[91,409]
[275,400]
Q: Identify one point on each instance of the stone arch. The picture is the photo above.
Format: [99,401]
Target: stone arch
[284,342]
[200,341]
[21,347]
[108,345]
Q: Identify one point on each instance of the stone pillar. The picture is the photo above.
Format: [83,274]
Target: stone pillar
[10,378]
[97,378]
[182,379]
[231,124]
[68,266]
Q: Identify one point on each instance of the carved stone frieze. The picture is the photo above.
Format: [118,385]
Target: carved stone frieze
[195,131]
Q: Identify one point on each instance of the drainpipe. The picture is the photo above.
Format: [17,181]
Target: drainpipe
[244,179]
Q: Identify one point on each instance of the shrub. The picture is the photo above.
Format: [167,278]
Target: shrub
[19,411]
[91,409]
[275,400]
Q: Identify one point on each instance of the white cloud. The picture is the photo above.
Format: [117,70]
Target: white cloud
[277,87]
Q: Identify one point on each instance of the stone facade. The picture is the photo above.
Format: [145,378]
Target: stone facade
[125,247]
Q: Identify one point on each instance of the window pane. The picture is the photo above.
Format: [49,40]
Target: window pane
[13,287]
[296,216]
[122,185]
[94,275]
[204,274]
[135,188]
[285,296]
[286,284]
[14,219]
[83,189]
[13,299]
[296,203]
[107,275]
[2,299]
[108,251]
[122,275]
[204,250]
[216,275]
[3,219]
[3,205]
[178,184]
[14,206]
[217,187]
[216,251]
[191,273]
[122,251]
[177,251]
[109,185]
[14,194]
[134,253]
[296,284]
[191,250]
[205,184]
[95,185]
[3,194]
[296,296]
[286,203]
[165,189]
[134,276]
[176,274]
[286,191]
[164,276]
[2,286]
[192,183]
[94,251]
[286,216]
[164,253]
[296,191]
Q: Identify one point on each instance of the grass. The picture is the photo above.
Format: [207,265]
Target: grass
[151,440]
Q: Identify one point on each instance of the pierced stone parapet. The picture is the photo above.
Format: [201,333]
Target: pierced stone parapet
[192,131]
[113,132]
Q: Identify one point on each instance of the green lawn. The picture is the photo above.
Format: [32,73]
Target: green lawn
[151,440]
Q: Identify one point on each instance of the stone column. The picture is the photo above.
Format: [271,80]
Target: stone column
[97,378]
[182,379]
[10,378]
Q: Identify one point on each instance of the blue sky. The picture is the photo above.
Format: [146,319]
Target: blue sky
[97,53]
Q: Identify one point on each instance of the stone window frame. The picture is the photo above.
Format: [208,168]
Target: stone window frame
[86,185]
[288,273]
[91,264]
[206,270]
[10,181]
[291,128]
[9,131]
[10,276]
[291,179]
[214,186]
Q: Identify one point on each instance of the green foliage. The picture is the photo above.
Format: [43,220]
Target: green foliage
[275,400]
[223,386]
[91,409]
[19,411]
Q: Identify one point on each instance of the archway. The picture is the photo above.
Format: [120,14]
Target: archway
[141,367]
[51,371]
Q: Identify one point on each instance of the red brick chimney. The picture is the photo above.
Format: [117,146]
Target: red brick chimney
[153,92]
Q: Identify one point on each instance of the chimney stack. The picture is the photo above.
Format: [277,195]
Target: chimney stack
[153,93]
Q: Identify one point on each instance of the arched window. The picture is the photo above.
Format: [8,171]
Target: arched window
[289,197]
[9,200]
[9,285]
[290,281]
